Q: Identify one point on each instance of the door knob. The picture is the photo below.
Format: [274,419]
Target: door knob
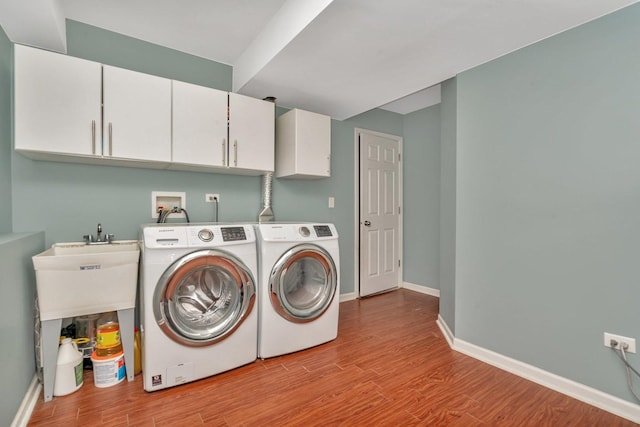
[367,223]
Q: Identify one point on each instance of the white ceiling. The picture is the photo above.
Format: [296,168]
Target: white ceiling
[337,57]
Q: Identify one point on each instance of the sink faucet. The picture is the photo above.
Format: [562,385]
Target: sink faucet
[99,239]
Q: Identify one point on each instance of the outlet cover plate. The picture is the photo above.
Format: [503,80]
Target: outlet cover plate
[630,341]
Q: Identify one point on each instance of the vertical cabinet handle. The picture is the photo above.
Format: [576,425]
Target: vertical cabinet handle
[93,137]
[235,153]
[110,139]
[224,152]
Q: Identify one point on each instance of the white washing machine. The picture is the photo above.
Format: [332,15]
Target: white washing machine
[198,314]
[299,287]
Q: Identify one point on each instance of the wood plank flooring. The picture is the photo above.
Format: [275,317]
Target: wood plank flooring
[389,366]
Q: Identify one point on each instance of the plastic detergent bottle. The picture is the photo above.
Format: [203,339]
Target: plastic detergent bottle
[68,369]
[108,335]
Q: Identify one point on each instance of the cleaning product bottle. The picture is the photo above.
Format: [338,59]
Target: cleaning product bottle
[137,352]
[68,369]
[108,335]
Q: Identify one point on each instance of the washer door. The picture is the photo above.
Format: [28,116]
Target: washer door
[303,283]
[203,297]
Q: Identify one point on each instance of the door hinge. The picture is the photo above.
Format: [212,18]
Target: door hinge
[398,263]
[398,209]
[398,156]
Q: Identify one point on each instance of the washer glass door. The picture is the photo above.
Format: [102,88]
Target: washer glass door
[303,283]
[203,297]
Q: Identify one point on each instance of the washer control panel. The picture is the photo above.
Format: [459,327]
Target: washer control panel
[322,230]
[230,234]
[199,236]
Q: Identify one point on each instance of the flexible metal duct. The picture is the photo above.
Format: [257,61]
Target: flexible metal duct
[266,214]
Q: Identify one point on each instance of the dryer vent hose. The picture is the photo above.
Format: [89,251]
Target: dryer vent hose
[266,215]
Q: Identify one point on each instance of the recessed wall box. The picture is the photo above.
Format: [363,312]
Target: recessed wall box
[168,200]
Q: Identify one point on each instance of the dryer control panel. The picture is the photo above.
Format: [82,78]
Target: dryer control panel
[285,232]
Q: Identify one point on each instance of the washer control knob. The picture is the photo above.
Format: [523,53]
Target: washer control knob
[205,235]
[304,231]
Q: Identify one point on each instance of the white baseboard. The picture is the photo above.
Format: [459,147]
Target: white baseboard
[592,396]
[28,403]
[348,297]
[406,285]
[422,289]
[444,328]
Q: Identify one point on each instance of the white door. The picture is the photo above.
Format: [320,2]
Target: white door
[379,212]
[199,125]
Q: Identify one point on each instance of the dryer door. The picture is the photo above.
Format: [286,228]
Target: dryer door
[303,283]
[203,297]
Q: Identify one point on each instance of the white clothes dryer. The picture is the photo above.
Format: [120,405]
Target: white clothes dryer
[299,287]
[198,315]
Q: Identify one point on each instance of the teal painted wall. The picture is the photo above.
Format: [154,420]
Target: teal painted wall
[6,146]
[294,200]
[69,200]
[95,44]
[448,129]
[548,201]
[421,177]
[17,287]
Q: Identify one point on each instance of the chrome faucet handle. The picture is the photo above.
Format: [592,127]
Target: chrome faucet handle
[88,238]
[108,238]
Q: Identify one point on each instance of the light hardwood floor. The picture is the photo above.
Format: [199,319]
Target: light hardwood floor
[389,366]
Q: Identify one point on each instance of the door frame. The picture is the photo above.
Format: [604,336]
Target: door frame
[356,198]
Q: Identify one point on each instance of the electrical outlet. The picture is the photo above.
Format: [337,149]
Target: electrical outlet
[631,342]
[211,197]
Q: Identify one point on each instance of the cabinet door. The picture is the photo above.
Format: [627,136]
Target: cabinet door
[251,133]
[303,145]
[137,115]
[199,125]
[313,142]
[57,103]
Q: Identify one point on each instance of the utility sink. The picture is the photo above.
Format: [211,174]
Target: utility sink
[74,279]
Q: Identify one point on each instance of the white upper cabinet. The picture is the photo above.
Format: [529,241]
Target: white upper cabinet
[137,115]
[73,110]
[251,133]
[303,145]
[199,125]
[57,103]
